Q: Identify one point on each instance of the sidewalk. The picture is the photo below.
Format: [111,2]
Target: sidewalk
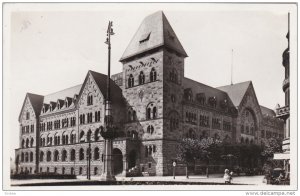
[246,180]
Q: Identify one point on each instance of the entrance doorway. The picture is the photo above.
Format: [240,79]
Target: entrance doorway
[118,161]
[132,159]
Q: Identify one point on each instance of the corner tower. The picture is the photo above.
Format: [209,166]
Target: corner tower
[153,69]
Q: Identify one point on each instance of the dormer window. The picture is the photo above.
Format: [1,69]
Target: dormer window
[58,106]
[75,98]
[90,99]
[213,102]
[68,102]
[145,37]
[201,98]
[188,94]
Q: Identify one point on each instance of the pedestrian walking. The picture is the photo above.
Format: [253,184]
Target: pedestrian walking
[227,176]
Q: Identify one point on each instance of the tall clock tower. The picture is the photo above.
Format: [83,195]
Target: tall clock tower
[153,69]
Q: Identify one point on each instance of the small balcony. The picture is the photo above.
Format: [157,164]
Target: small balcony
[283,112]
[285,84]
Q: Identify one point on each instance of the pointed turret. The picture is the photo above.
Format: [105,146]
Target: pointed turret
[154,32]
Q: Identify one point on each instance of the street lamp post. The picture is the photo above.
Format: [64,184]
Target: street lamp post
[108,133]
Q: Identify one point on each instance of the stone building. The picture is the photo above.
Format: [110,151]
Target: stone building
[154,105]
[284,111]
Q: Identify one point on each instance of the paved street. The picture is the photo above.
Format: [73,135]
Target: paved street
[216,178]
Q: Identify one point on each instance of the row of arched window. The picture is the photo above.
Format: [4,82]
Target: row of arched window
[63,156]
[64,123]
[58,139]
[152,78]
[63,170]
[97,117]
[28,143]
[25,129]
[149,150]
[27,157]
[88,137]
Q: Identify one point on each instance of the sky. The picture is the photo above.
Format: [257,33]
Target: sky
[50,47]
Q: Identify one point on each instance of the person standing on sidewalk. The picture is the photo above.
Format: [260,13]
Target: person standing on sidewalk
[227,177]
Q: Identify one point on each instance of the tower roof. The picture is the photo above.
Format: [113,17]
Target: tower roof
[155,31]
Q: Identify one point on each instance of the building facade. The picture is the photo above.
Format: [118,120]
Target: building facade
[284,111]
[153,104]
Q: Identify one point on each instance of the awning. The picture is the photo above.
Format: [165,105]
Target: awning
[281,156]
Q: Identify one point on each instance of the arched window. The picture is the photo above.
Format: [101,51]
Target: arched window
[31,142]
[43,142]
[151,111]
[31,156]
[90,99]
[41,156]
[141,78]
[72,155]
[27,143]
[89,135]
[152,75]
[148,116]
[56,155]
[65,138]
[130,81]
[96,154]
[81,154]
[97,116]
[81,136]
[64,155]
[96,136]
[131,115]
[26,157]
[22,157]
[23,143]
[173,76]
[73,137]
[49,156]
[150,129]
[154,112]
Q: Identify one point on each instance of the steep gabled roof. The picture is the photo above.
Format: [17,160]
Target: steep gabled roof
[267,111]
[36,102]
[208,91]
[101,81]
[69,92]
[155,31]
[236,92]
